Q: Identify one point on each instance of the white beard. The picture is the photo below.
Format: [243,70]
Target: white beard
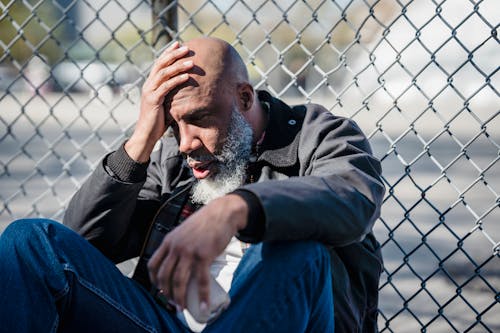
[232,162]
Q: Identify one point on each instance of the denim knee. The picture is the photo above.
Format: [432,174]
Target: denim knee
[305,250]
[295,255]
[23,231]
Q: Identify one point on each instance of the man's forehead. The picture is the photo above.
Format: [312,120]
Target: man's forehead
[191,100]
[192,94]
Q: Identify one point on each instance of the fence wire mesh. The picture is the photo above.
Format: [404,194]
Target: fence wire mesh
[420,77]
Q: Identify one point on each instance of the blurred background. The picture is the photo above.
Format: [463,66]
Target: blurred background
[420,77]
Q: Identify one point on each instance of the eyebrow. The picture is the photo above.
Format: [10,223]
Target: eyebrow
[195,114]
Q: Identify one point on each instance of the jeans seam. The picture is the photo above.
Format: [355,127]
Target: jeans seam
[89,286]
[55,325]
[61,293]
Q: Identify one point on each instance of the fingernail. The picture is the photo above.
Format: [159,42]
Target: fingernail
[204,308]
[182,48]
[188,63]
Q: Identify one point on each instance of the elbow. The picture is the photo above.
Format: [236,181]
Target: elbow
[353,222]
[367,213]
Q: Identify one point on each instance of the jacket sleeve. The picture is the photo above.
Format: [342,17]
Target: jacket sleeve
[114,214]
[338,194]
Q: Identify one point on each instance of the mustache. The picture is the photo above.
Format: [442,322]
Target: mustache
[200,158]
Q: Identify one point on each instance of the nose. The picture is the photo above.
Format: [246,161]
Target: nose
[188,140]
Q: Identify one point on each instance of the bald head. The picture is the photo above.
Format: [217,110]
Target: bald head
[216,60]
[218,71]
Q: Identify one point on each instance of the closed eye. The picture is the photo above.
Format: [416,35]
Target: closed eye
[199,118]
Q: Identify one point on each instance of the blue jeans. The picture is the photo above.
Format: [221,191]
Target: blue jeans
[54,280]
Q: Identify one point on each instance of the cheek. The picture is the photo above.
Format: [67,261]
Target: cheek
[212,139]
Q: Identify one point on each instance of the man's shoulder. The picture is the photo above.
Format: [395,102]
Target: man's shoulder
[317,114]
[305,115]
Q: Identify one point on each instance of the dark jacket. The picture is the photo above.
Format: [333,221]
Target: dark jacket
[317,179]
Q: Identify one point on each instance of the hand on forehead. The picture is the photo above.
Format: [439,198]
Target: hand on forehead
[211,60]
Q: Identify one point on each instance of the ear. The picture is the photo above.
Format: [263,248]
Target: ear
[245,96]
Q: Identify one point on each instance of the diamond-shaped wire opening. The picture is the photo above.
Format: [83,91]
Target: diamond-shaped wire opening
[404,319]
[461,173]
[450,55]
[458,311]
[423,172]
[487,319]
[413,56]
[396,79]
[12,148]
[490,231]
[443,150]
[462,78]
[440,322]
[483,104]
[35,148]
[351,100]
[472,32]
[44,204]
[482,150]
[464,126]
[456,12]
[252,29]
[398,40]
[393,122]
[488,11]
[393,254]
[432,33]
[428,125]
[95,147]
[378,103]
[431,80]
[446,105]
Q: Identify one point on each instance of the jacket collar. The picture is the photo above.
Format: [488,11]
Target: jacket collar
[281,142]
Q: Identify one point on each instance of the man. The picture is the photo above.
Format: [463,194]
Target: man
[282,178]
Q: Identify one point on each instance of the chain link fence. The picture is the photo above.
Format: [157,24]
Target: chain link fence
[420,77]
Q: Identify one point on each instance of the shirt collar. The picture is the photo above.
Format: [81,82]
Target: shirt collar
[281,142]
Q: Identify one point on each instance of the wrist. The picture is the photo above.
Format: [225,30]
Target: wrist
[121,166]
[255,227]
[139,149]
[238,209]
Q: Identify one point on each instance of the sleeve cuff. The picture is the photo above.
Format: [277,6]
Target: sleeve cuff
[124,168]
[254,231]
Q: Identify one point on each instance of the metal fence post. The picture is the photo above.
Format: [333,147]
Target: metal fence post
[165,22]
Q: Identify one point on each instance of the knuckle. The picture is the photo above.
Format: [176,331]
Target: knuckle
[151,265]
[164,72]
[198,256]
[177,282]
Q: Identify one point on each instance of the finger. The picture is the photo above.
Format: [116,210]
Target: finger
[180,279]
[154,263]
[175,44]
[170,84]
[173,70]
[165,273]
[164,53]
[169,58]
[202,273]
